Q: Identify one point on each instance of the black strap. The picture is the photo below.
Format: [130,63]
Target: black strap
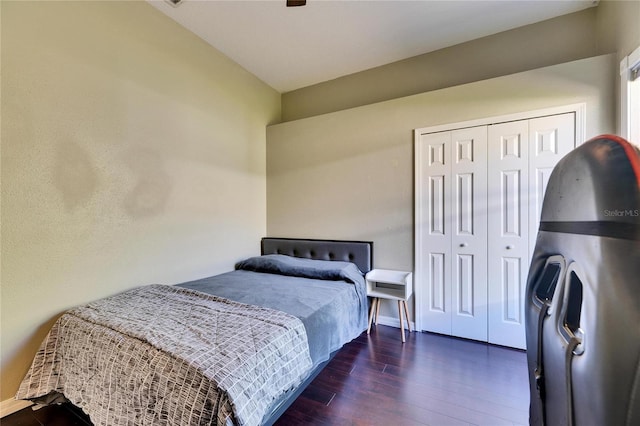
[619,230]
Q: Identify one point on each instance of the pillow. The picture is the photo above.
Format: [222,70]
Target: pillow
[305,268]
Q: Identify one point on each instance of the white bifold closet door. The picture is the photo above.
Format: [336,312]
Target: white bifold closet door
[521,156]
[455,241]
[481,192]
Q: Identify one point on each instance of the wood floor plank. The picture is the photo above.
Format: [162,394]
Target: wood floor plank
[431,379]
[424,395]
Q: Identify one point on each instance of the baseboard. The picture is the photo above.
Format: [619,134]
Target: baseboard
[10,406]
[393,322]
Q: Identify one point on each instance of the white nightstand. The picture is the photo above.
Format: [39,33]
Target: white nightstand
[392,285]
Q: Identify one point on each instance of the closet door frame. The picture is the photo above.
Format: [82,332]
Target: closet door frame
[419,267]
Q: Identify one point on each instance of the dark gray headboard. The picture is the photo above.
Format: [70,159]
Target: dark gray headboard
[358,252]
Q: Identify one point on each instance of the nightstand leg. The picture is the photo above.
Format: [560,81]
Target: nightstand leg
[401,320]
[373,308]
[377,309]
[406,311]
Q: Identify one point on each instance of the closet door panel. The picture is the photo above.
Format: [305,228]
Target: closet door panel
[552,137]
[434,180]
[508,230]
[512,296]
[469,233]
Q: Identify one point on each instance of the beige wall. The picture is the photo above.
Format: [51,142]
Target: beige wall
[618,29]
[618,26]
[550,42]
[611,27]
[132,153]
[349,174]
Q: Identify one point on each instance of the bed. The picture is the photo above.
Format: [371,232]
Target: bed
[232,349]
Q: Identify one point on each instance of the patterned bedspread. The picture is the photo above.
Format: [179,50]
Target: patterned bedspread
[163,355]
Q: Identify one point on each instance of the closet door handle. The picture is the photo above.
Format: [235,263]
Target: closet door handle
[509,247]
[463,244]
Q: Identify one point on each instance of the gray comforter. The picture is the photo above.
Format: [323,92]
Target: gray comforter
[328,296]
[164,355]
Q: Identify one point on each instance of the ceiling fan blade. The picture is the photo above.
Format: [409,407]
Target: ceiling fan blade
[294,3]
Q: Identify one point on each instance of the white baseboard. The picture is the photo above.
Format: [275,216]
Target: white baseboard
[10,406]
[393,322]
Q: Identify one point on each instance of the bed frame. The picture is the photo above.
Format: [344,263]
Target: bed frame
[358,252]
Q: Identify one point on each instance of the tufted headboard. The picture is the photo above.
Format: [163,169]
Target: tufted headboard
[358,252]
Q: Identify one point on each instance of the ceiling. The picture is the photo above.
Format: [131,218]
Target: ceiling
[290,48]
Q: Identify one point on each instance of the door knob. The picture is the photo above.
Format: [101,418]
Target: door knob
[509,247]
[463,244]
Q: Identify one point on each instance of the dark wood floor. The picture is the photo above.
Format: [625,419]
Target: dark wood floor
[377,380]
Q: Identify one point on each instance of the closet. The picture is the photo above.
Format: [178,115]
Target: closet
[479,191]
